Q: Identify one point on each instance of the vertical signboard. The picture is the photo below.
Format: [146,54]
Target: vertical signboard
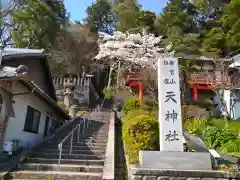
[170,118]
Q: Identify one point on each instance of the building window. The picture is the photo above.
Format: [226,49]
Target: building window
[32,120]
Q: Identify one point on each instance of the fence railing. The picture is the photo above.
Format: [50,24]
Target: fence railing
[84,124]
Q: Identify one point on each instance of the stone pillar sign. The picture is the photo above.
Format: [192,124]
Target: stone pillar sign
[170,118]
[171,155]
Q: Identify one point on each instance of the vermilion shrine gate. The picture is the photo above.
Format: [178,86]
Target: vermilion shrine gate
[135,80]
[201,83]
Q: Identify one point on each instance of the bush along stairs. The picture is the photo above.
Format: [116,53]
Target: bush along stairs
[67,155]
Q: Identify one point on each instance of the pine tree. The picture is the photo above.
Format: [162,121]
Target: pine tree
[100,17]
[216,14]
[177,24]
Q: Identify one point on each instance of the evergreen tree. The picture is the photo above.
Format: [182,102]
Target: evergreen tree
[231,25]
[177,25]
[100,17]
[146,20]
[216,16]
[39,22]
[127,13]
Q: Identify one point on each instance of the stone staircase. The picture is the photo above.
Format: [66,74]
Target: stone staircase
[86,161]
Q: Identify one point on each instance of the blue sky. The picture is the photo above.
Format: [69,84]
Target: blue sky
[77,8]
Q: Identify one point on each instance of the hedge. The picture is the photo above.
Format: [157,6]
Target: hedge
[109,92]
[131,104]
[140,133]
[135,113]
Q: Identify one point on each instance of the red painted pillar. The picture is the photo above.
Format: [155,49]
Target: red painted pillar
[195,93]
[140,92]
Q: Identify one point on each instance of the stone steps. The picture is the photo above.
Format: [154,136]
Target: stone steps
[80,147]
[97,162]
[63,167]
[80,141]
[66,151]
[86,143]
[85,136]
[96,133]
[65,175]
[86,161]
[67,156]
[92,129]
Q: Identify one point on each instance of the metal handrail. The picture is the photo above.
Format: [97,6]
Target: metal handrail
[71,133]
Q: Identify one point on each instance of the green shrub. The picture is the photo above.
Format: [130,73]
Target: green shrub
[195,125]
[134,113]
[80,113]
[232,125]
[217,137]
[150,105]
[140,133]
[131,104]
[231,146]
[61,105]
[109,92]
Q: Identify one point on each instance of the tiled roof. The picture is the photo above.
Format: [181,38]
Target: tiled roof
[11,52]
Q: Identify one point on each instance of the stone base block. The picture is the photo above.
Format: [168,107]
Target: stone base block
[175,160]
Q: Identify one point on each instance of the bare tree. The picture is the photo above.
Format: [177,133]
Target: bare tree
[149,78]
[74,50]
[6,25]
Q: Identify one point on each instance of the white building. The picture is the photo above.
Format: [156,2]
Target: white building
[28,108]
[232,97]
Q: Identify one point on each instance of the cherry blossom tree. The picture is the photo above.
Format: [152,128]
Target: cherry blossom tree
[131,50]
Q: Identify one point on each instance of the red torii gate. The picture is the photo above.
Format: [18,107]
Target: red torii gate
[201,83]
[134,80]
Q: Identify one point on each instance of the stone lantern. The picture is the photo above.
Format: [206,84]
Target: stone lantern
[69,81]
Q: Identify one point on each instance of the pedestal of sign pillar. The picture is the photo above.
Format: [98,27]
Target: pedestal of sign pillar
[171,155]
[175,160]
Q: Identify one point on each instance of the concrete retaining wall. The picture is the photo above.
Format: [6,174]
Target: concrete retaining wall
[109,162]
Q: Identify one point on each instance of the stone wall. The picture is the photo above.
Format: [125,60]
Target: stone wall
[152,174]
